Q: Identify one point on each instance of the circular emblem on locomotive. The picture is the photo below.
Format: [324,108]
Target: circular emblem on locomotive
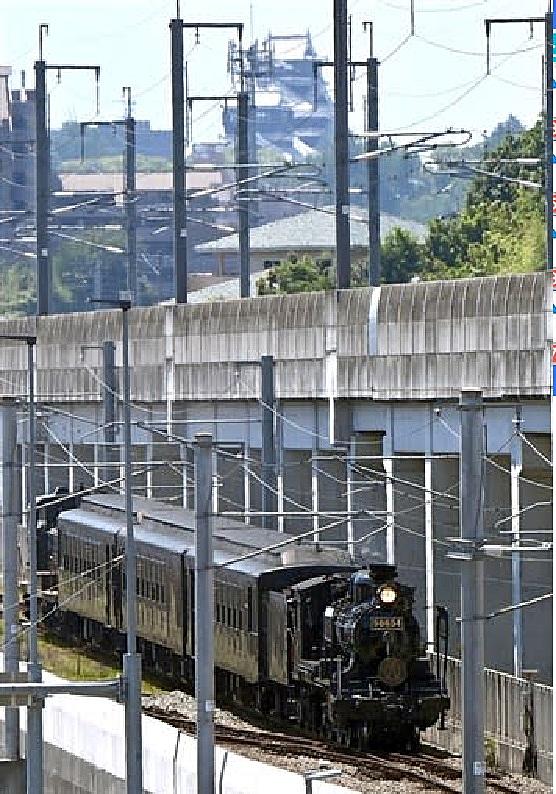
[392,671]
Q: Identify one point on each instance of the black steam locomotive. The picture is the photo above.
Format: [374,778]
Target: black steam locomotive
[300,634]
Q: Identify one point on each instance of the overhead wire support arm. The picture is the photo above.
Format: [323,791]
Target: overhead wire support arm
[189,101]
[177,27]
[130,192]
[489,22]
[43,165]
[548,105]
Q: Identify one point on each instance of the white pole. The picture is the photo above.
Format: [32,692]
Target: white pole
[388,451]
[429,541]
[516,466]
[349,471]
[472,592]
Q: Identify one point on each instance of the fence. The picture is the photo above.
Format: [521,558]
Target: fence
[518,722]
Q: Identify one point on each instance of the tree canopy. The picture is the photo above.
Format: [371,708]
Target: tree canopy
[294,275]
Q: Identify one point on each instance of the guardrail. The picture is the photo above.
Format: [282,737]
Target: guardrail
[518,722]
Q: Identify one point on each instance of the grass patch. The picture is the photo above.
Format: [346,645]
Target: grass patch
[78,663]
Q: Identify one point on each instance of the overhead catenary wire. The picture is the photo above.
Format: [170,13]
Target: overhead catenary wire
[504,610]
[534,448]
[493,462]
[31,625]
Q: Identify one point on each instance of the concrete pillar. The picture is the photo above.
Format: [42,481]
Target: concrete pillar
[8,441]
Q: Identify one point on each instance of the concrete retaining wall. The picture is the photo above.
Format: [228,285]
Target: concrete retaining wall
[85,754]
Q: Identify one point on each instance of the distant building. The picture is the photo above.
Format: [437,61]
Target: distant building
[5,139]
[17,141]
[284,83]
[311,233]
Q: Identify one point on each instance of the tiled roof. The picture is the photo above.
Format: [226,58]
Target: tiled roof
[312,230]
[106,182]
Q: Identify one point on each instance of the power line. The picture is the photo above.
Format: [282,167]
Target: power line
[535,450]
[475,53]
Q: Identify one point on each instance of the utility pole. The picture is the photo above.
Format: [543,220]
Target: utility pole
[130,187]
[246,66]
[177,27]
[243,195]
[204,614]
[42,165]
[10,565]
[373,173]
[516,466]
[268,452]
[34,671]
[472,591]
[130,197]
[178,162]
[43,168]
[132,659]
[243,171]
[343,249]
[34,712]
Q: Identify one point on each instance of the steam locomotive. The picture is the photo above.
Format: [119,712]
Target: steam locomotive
[300,634]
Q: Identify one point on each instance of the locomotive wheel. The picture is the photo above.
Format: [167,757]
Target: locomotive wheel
[411,741]
[363,737]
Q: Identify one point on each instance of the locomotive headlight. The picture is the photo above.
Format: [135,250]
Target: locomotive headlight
[387,594]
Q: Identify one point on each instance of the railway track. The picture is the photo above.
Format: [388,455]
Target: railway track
[425,768]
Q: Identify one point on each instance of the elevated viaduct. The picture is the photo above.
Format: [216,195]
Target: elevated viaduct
[367,383]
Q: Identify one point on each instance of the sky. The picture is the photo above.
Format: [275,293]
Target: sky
[430,81]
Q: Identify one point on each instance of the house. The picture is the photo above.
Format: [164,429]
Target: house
[311,233]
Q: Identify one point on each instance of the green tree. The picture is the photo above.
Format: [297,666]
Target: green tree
[402,257]
[294,275]
[501,228]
